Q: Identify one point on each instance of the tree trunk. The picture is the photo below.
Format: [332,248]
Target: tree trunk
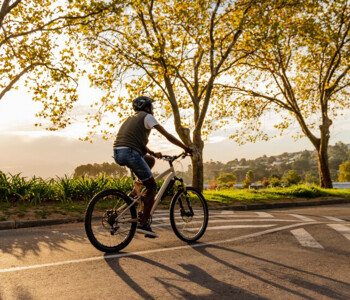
[197,163]
[322,153]
[323,167]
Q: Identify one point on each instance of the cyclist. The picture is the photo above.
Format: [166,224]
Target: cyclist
[130,149]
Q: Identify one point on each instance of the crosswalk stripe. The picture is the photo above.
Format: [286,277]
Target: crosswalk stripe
[303,218]
[227,212]
[333,219]
[342,229]
[305,238]
[264,215]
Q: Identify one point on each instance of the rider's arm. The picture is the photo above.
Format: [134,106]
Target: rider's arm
[155,154]
[170,137]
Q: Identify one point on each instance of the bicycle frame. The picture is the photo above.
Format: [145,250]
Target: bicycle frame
[158,197]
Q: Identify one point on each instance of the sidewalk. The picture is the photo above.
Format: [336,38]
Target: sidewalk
[5,225]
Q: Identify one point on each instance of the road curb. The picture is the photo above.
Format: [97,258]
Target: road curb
[36,223]
[282,204]
[47,222]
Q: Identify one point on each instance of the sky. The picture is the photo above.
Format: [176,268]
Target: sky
[34,151]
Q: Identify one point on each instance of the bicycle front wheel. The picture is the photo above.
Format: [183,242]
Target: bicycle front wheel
[189,215]
[109,224]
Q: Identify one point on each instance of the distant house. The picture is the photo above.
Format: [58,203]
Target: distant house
[240,167]
[277,163]
[256,186]
[238,186]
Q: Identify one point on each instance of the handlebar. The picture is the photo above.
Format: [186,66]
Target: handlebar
[171,159]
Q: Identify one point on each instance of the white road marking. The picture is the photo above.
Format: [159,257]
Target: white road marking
[227,212]
[215,215]
[264,215]
[333,219]
[342,229]
[303,218]
[229,227]
[211,221]
[238,226]
[305,238]
[199,245]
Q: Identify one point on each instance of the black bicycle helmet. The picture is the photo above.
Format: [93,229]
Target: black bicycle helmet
[140,103]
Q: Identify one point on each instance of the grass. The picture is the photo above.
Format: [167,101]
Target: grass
[246,196]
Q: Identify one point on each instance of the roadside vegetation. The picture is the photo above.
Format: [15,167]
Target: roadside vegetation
[272,194]
[36,198]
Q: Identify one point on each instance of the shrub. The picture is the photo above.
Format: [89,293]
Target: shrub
[292,177]
[344,170]
[275,182]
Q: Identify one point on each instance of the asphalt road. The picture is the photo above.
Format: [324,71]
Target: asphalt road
[274,254]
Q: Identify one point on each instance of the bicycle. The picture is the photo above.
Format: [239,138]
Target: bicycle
[111,216]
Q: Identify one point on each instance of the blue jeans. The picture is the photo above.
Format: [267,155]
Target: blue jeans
[133,160]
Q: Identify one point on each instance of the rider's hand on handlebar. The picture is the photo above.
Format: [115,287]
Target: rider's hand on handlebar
[189,150]
[157,155]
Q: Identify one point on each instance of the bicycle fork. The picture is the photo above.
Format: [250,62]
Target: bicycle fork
[183,211]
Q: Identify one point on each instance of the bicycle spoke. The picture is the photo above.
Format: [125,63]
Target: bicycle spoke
[189,224]
[104,230]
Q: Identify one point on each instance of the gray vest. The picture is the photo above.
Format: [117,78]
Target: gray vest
[133,133]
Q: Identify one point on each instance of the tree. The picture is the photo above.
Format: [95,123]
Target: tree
[226,178]
[265,182]
[344,175]
[292,177]
[309,178]
[173,52]
[110,169]
[34,46]
[250,175]
[248,179]
[303,58]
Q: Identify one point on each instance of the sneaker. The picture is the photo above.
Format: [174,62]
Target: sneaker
[147,230]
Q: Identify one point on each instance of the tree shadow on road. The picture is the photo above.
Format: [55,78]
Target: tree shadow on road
[317,283]
[289,280]
[22,242]
[174,284]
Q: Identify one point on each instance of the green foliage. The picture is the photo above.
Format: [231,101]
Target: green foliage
[344,174]
[275,176]
[226,178]
[275,182]
[247,183]
[309,178]
[248,179]
[272,194]
[292,177]
[14,188]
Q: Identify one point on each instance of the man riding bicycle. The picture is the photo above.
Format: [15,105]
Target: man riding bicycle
[130,149]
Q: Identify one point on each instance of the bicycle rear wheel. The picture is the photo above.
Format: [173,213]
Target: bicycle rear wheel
[102,229]
[189,215]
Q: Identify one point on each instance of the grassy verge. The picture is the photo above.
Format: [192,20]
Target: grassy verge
[270,195]
[21,210]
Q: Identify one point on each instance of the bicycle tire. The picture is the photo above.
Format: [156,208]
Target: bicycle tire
[96,213]
[200,215]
